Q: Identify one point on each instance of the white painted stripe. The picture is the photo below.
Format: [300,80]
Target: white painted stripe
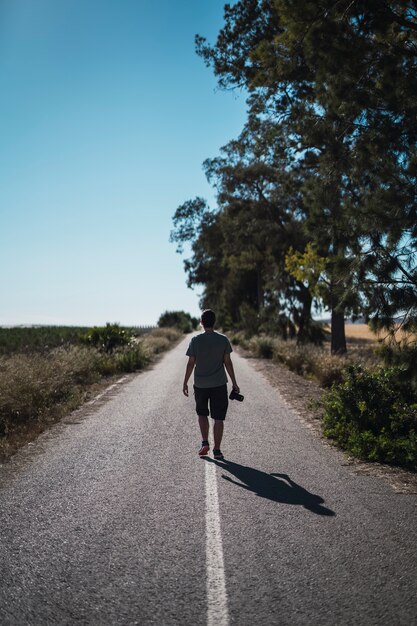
[217,613]
[103,393]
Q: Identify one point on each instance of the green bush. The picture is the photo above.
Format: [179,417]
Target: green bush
[403,356]
[106,338]
[373,415]
[178,319]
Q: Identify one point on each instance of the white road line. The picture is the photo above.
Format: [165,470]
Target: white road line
[217,613]
[100,395]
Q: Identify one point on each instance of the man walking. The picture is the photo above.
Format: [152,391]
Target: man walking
[209,353]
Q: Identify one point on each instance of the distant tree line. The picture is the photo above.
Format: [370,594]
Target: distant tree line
[316,198]
[178,319]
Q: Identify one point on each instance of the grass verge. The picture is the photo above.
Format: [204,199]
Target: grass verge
[310,361]
[39,387]
[369,404]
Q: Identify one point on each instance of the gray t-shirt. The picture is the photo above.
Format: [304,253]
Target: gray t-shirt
[209,349]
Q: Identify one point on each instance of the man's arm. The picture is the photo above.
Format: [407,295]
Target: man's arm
[188,372]
[229,368]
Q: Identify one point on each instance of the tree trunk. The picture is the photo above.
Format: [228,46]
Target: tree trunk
[305,317]
[260,291]
[338,341]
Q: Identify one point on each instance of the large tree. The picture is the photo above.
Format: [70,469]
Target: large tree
[259,217]
[341,77]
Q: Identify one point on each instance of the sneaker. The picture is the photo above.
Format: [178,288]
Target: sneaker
[204,448]
[217,454]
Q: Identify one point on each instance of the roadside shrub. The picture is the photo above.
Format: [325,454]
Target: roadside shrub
[373,415]
[297,361]
[106,338]
[305,360]
[239,339]
[178,319]
[155,345]
[328,369]
[130,359]
[263,347]
[297,358]
[404,357]
[171,334]
[266,348]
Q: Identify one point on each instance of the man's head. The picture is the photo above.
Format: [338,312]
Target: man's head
[208,318]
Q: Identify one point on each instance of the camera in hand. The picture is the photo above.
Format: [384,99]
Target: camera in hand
[234,395]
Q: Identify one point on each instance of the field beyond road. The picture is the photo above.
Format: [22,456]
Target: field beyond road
[107,518]
[362,332]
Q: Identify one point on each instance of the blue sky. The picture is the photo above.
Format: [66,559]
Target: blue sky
[106,115]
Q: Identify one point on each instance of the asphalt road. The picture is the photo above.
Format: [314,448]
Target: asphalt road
[107,519]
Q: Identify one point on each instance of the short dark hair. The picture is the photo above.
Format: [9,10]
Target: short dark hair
[208,318]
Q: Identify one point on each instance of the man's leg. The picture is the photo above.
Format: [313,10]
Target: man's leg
[218,433]
[204,426]
[218,404]
[201,405]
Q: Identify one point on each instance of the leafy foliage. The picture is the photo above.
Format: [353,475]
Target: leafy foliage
[106,338]
[326,162]
[373,415]
[403,357]
[177,319]
[306,267]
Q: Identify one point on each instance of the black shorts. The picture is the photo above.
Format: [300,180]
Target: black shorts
[218,401]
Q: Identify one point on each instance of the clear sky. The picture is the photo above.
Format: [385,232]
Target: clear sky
[106,115]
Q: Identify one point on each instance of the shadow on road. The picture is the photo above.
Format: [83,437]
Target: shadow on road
[275,487]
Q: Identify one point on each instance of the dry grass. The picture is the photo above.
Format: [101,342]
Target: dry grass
[38,388]
[358,333]
[310,361]
[159,340]
[315,362]
[362,332]
[172,334]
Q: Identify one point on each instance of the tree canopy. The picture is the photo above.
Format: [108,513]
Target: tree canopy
[326,162]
